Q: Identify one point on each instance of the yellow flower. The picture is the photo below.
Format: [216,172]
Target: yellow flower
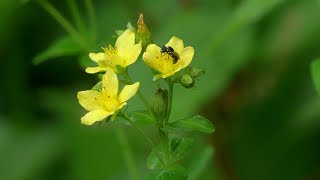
[166,64]
[108,101]
[123,54]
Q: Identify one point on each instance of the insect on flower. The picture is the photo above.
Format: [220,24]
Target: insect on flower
[170,51]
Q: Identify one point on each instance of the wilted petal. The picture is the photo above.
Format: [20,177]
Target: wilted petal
[128,91]
[94,116]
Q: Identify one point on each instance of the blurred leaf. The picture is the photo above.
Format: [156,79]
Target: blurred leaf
[176,172]
[85,61]
[249,11]
[195,123]
[153,161]
[200,162]
[62,47]
[141,117]
[315,72]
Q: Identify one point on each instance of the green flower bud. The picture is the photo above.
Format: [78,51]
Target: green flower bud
[195,72]
[187,81]
[143,34]
[160,104]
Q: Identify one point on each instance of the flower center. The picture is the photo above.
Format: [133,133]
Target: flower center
[111,103]
[110,50]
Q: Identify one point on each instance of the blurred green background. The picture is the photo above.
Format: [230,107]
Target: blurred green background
[257,90]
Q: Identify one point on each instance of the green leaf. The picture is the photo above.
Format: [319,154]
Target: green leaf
[195,123]
[179,147]
[200,162]
[176,172]
[141,117]
[62,47]
[315,72]
[98,86]
[153,161]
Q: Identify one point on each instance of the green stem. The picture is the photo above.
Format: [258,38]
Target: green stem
[63,22]
[76,15]
[170,94]
[128,157]
[141,96]
[143,134]
[92,18]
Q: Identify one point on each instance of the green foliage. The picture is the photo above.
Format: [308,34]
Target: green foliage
[64,46]
[200,163]
[194,124]
[179,147]
[315,72]
[142,117]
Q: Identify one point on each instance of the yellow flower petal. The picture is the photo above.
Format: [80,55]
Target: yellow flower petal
[176,44]
[128,91]
[125,42]
[133,54]
[151,55]
[110,83]
[90,99]
[94,116]
[186,56]
[96,57]
[92,70]
[170,73]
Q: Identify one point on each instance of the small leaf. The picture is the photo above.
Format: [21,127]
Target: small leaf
[179,147]
[195,123]
[153,161]
[175,172]
[315,72]
[98,86]
[62,47]
[142,117]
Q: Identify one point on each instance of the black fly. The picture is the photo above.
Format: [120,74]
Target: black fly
[170,51]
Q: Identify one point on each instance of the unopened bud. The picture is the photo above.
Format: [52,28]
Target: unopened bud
[187,81]
[143,34]
[160,104]
[195,72]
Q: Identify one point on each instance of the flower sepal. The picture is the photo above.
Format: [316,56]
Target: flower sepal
[159,105]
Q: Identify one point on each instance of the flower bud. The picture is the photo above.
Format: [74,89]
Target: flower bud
[160,104]
[195,72]
[143,34]
[187,81]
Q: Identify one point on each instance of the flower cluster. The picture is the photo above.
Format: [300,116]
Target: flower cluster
[106,101]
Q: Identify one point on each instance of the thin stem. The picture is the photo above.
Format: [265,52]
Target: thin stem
[128,157]
[141,96]
[142,133]
[75,12]
[92,18]
[63,22]
[170,94]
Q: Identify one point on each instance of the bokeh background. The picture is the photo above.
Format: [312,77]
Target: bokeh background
[257,91]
